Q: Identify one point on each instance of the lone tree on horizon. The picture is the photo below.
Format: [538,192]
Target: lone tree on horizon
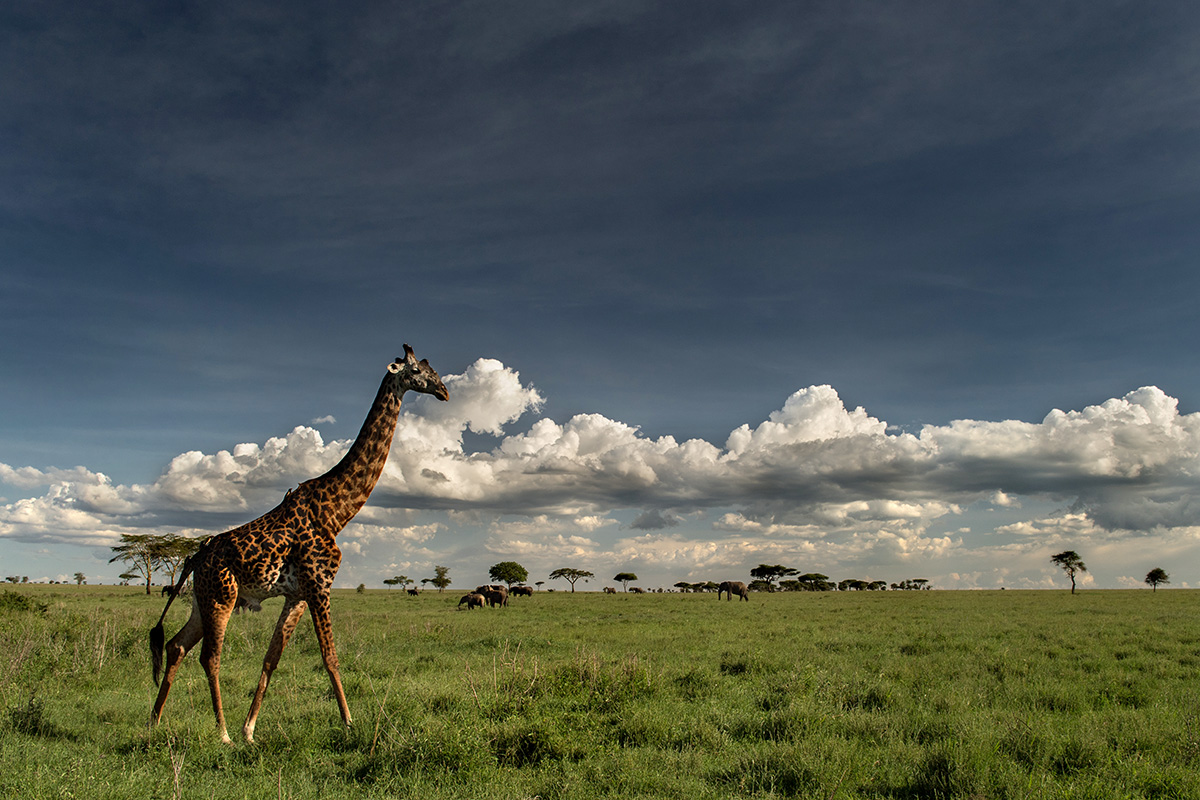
[624,578]
[508,571]
[440,579]
[570,574]
[1071,563]
[1156,576]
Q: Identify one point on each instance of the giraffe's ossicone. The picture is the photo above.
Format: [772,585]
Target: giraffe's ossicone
[291,551]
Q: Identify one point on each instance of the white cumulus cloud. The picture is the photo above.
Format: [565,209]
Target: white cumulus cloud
[814,480]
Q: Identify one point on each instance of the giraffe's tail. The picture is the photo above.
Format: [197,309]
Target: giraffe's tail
[157,635]
[157,646]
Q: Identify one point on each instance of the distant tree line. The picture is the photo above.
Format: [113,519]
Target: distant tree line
[764,578]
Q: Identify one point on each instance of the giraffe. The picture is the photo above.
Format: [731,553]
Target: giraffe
[289,551]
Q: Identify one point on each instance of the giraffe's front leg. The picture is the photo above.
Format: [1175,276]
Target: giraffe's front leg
[324,628]
[293,609]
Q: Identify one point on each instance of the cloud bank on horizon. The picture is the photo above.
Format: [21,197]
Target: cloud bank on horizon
[815,485]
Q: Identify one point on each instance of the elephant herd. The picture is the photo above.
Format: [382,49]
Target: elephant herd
[494,594]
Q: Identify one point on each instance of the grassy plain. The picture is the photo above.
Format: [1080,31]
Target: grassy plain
[838,695]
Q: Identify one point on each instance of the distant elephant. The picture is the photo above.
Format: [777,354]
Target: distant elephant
[413,592]
[731,588]
[637,590]
[527,591]
[472,599]
[609,590]
[244,602]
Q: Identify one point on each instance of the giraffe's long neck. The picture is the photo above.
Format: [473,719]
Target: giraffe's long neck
[342,491]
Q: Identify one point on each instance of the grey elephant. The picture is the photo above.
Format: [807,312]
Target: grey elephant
[517,591]
[472,599]
[495,594]
[731,588]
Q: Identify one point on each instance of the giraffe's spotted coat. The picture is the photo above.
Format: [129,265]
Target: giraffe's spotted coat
[291,551]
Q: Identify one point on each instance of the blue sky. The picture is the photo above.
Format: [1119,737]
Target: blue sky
[889,241]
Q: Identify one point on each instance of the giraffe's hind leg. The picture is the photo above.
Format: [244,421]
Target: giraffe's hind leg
[176,649]
[216,618]
[293,609]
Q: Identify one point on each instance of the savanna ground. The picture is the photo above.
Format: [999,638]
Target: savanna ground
[838,695]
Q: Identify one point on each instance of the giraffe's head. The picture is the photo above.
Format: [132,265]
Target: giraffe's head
[408,373]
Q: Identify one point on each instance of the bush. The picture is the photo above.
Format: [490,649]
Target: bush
[14,601]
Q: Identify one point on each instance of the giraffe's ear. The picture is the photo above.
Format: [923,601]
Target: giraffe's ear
[394,367]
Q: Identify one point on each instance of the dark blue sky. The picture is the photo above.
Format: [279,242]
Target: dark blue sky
[217,220]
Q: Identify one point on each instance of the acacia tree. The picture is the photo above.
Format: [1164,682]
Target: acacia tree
[80,579]
[440,579]
[171,551]
[1156,576]
[624,578]
[769,573]
[148,552]
[508,571]
[397,580]
[1071,564]
[912,584]
[814,582]
[137,549]
[571,575]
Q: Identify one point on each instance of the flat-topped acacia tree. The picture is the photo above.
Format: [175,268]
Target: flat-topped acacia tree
[624,578]
[571,575]
[1071,564]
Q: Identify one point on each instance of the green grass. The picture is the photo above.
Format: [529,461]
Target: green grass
[842,695]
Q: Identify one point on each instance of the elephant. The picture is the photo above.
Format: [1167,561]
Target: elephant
[637,590]
[495,594]
[413,592]
[527,591]
[609,590]
[730,588]
[472,599]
